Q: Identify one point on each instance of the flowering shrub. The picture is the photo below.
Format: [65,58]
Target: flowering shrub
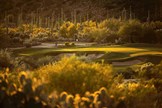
[75,76]
[22,89]
[108,30]
[111,24]
[74,83]
[68,30]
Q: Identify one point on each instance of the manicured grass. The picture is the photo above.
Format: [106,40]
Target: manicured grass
[110,57]
[111,53]
[117,49]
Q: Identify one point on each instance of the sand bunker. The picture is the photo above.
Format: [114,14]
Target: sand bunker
[126,63]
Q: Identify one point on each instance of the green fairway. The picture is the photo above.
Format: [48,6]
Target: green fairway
[111,53]
[116,49]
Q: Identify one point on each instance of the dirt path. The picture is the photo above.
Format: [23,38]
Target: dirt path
[45,45]
[53,45]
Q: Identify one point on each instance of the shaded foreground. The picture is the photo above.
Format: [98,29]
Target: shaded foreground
[98,86]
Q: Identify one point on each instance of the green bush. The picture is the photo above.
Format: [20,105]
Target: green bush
[29,89]
[27,92]
[89,28]
[127,73]
[99,34]
[75,76]
[68,30]
[148,34]
[6,59]
[151,71]
[30,63]
[28,43]
[45,60]
[156,25]
[4,39]
[146,70]
[72,44]
[95,34]
[111,37]
[67,44]
[131,31]
[159,36]
[111,24]
[22,94]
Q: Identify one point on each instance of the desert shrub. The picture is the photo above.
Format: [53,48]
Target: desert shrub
[72,44]
[43,34]
[134,94]
[157,25]
[111,37]
[67,44]
[111,24]
[88,30]
[25,28]
[146,70]
[131,31]
[40,33]
[30,63]
[154,74]
[93,33]
[22,94]
[6,59]
[105,32]
[17,40]
[89,24]
[4,41]
[45,60]
[75,76]
[148,34]
[28,92]
[68,30]
[27,31]
[27,43]
[18,36]
[150,71]
[4,38]
[35,43]
[99,34]
[159,36]
[127,73]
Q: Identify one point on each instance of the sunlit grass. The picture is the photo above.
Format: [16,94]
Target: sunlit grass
[39,51]
[146,53]
[111,53]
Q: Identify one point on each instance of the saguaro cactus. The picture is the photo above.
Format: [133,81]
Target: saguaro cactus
[6,22]
[124,14]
